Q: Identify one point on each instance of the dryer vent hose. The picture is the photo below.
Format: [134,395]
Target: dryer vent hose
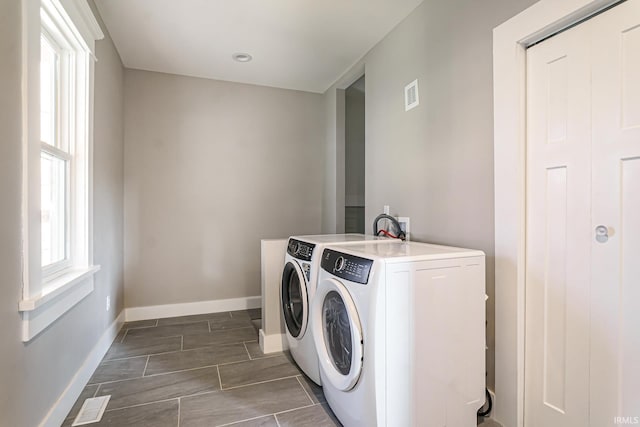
[376,231]
[488,405]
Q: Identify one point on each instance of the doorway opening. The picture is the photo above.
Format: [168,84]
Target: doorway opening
[354,157]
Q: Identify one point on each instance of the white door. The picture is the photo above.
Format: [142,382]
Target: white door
[583,171]
[615,289]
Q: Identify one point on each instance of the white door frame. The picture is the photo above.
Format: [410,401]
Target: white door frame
[510,41]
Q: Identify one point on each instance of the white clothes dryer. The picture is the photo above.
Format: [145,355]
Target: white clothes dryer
[299,278]
[400,334]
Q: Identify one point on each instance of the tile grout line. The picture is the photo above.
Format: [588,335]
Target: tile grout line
[209,323]
[175,372]
[142,404]
[182,335]
[293,409]
[141,355]
[144,371]
[126,331]
[142,337]
[179,406]
[276,418]
[189,349]
[265,356]
[247,350]
[259,382]
[105,361]
[244,421]
[213,345]
[251,360]
[181,342]
[305,390]
[195,369]
[139,327]
[154,375]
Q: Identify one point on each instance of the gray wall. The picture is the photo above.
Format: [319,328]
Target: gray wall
[434,163]
[33,375]
[211,168]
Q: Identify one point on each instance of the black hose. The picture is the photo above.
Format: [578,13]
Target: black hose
[488,404]
[396,224]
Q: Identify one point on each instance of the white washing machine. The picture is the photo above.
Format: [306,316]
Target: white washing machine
[299,278]
[400,333]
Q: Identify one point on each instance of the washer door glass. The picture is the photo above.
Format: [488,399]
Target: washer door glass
[337,331]
[294,299]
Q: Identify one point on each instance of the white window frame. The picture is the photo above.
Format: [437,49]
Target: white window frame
[48,293]
[64,136]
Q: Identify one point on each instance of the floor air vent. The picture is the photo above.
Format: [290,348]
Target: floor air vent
[92,410]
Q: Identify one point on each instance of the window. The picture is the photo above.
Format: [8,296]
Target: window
[58,69]
[55,157]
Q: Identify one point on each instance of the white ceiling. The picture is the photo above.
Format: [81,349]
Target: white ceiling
[295,44]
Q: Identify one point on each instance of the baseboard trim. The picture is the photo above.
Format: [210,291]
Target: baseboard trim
[273,343]
[191,308]
[61,408]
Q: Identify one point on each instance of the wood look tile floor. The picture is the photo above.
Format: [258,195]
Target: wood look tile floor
[204,370]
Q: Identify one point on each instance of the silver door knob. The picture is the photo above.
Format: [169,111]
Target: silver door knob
[602,233]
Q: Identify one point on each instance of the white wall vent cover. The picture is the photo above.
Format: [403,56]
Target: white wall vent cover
[411,97]
[92,410]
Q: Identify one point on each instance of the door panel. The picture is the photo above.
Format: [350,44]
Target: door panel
[630,46]
[615,318]
[582,317]
[558,198]
[630,290]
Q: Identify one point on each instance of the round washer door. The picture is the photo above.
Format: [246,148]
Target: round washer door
[293,296]
[337,334]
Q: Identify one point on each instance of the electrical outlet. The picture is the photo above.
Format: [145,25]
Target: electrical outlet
[108,303]
[405,226]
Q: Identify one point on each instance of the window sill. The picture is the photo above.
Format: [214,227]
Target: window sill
[60,296]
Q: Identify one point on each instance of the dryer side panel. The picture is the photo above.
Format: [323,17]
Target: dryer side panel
[443,336]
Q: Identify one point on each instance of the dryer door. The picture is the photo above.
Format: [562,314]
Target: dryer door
[338,334]
[293,296]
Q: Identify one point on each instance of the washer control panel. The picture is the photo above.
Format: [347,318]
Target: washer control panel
[347,267]
[300,250]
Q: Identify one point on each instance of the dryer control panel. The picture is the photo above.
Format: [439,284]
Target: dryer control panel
[300,250]
[347,267]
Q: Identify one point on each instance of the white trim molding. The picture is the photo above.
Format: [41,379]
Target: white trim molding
[510,41]
[79,12]
[191,308]
[61,408]
[41,311]
[273,343]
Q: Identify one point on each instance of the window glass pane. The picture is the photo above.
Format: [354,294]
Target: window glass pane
[54,208]
[49,60]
